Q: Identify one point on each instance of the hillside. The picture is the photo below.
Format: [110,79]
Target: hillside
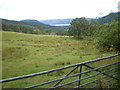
[105,19]
[9,25]
[36,27]
[109,18]
[29,20]
[36,23]
[57,21]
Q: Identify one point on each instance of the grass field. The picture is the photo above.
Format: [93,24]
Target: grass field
[26,53]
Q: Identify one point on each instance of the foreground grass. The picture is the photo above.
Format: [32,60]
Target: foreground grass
[25,54]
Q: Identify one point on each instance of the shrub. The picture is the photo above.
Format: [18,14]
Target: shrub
[68,62]
[108,37]
[59,63]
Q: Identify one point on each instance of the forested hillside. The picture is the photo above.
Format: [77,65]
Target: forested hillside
[36,23]
[32,27]
[109,18]
[36,27]
[105,19]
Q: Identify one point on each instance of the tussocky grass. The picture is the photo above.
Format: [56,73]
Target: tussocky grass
[26,53]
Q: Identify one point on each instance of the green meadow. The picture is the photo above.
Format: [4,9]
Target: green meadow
[27,53]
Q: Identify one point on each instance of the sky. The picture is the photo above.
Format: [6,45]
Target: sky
[56,9]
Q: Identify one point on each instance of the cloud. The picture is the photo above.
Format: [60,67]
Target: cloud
[51,9]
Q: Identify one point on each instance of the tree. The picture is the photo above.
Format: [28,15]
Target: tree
[78,27]
[82,27]
[48,32]
[93,26]
[108,37]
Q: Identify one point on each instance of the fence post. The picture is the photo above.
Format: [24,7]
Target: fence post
[80,75]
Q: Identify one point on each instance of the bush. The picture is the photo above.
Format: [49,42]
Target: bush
[108,37]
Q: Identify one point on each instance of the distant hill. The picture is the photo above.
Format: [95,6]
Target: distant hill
[41,27]
[36,23]
[31,27]
[57,21]
[16,26]
[109,18]
[29,20]
[31,23]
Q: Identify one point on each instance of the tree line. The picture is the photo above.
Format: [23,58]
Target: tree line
[106,32]
[31,28]
[106,35]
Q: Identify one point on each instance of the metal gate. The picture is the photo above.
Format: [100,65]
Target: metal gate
[95,72]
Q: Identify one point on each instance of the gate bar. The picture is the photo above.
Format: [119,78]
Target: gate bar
[44,72]
[94,80]
[100,72]
[68,77]
[83,78]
